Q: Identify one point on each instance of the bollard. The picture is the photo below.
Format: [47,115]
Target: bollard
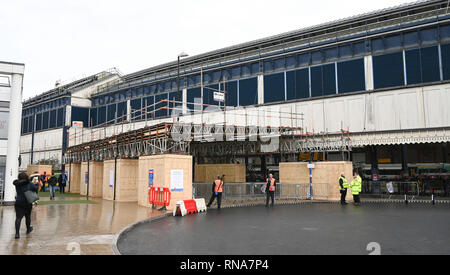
[432,197]
[406,197]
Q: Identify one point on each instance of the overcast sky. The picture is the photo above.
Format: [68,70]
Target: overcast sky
[64,40]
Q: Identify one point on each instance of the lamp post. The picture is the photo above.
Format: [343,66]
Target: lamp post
[181,55]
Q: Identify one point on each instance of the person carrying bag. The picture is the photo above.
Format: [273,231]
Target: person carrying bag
[26,196]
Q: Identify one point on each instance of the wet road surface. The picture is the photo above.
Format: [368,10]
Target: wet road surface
[297,229]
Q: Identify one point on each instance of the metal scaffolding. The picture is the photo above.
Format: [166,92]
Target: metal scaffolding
[208,140]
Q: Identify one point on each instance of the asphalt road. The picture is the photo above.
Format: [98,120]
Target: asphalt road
[297,229]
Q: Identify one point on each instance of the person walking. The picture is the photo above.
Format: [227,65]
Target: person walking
[343,186]
[217,192]
[270,190]
[52,186]
[356,186]
[44,180]
[62,180]
[22,206]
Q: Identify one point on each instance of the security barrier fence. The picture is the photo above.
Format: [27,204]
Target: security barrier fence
[410,188]
[2,191]
[255,191]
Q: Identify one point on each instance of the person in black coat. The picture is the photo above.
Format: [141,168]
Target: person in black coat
[52,181]
[22,207]
[62,179]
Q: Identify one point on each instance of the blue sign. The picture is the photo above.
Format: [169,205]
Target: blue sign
[151,175]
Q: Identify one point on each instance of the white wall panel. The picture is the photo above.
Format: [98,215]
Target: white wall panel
[407,110]
[48,140]
[25,143]
[385,113]
[335,115]
[318,116]
[436,107]
[356,114]
[25,161]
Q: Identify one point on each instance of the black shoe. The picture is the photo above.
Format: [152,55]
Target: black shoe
[29,230]
[17,236]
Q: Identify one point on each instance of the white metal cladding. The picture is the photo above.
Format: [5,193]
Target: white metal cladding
[25,161]
[48,140]
[392,110]
[25,143]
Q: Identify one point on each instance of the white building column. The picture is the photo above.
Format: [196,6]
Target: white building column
[184,100]
[129,110]
[14,125]
[368,69]
[260,89]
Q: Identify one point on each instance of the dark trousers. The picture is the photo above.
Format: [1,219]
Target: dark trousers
[61,189]
[356,199]
[219,199]
[270,195]
[23,209]
[343,196]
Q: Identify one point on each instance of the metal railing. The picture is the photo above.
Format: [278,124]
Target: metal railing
[413,189]
[255,191]
[2,188]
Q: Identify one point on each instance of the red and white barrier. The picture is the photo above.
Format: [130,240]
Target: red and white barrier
[180,209]
[201,205]
[186,207]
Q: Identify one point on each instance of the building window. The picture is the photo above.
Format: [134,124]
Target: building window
[136,105]
[192,104]
[323,80]
[231,89]
[248,92]
[297,84]
[111,114]
[161,106]
[351,76]
[274,88]
[388,70]
[422,65]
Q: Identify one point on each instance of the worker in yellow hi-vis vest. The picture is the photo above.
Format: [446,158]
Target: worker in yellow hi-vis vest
[343,186]
[356,187]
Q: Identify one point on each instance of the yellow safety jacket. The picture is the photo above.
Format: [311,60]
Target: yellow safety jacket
[344,182]
[356,185]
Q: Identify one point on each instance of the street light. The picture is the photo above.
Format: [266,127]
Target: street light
[181,55]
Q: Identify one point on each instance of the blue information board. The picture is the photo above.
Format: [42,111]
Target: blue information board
[151,174]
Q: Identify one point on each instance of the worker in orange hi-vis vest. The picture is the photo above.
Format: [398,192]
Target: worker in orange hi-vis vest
[270,189]
[217,192]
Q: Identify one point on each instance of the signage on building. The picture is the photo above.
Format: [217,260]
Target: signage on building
[176,181]
[77,124]
[375,177]
[220,97]
[151,175]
